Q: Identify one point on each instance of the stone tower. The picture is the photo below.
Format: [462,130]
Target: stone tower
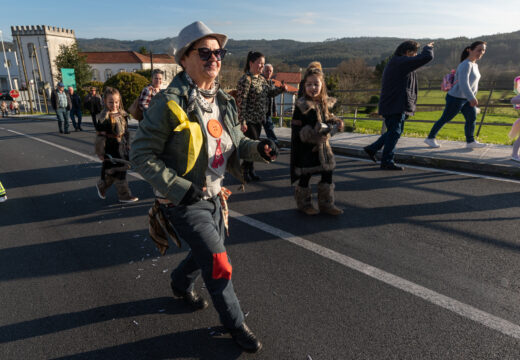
[47,41]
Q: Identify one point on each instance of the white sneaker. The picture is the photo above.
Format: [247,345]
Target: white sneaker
[475,145]
[4,198]
[432,143]
[515,158]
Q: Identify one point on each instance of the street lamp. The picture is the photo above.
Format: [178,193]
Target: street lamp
[6,64]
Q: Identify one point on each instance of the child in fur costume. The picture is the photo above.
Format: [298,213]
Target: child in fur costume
[113,146]
[310,149]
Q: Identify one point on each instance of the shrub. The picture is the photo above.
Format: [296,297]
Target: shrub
[129,85]
[374,99]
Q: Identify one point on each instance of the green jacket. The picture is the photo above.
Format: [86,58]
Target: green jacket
[160,154]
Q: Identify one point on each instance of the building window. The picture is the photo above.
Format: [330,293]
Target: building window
[121,70]
[95,75]
[30,48]
[108,74]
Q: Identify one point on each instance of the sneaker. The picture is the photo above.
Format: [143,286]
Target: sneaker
[475,145]
[130,200]
[391,166]
[245,338]
[100,193]
[515,158]
[3,198]
[432,143]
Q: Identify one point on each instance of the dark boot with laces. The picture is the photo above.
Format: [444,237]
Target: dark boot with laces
[245,338]
[194,300]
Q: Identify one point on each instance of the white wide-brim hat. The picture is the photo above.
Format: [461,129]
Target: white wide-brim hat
[191,34]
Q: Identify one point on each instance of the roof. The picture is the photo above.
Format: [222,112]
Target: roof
[288,77]
[290,88]
[125,57]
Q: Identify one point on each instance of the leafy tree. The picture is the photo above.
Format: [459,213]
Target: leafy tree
[129,85]
[142,50]
[69,57]
[378,72]
[146,73]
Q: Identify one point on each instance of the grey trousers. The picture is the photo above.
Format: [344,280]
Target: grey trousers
[201,225]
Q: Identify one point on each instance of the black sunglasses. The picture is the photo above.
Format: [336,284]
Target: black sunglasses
[205,53]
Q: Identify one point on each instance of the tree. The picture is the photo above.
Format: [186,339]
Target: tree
[69,57]
[142,50]
[129,85]
[378,72]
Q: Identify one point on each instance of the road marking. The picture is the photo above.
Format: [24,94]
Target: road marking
[493,322]
[451,172]
[89,157]
[465,310]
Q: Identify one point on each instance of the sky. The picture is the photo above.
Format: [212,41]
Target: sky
[268,19]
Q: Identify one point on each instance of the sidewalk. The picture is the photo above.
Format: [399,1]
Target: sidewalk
[452,155]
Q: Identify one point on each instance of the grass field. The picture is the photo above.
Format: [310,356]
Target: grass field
[488,133]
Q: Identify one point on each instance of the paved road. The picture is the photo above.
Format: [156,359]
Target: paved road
[422,265]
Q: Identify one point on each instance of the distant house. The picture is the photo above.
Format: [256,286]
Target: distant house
[106,64]
[286,101]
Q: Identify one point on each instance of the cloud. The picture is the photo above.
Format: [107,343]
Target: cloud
[307,18]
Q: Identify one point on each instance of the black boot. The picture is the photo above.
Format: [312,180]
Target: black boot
[252,174]
[194,300]
[245,172]
[245,338]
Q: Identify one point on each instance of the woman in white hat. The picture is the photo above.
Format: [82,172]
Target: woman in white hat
[189,136]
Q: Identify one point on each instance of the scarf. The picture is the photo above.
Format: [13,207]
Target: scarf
[198,96]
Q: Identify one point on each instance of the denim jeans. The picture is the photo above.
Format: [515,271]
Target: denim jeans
[63,119]
[269,129]
[201,225]
[395,126]
[452,108]
[73,113]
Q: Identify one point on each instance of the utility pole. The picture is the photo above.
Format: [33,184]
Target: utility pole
[151,61]
[25,73]
[5,60]
[40,76]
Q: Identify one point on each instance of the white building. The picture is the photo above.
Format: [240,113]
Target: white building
[12,63]
[46,40]
[106,64]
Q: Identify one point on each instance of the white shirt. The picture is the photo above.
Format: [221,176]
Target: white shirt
[217,160]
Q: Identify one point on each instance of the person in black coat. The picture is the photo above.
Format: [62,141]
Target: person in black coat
[76,109]
[94,104]
[398,98]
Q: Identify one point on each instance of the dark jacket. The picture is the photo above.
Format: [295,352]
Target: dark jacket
[399,84]
[160,149]
[76,101]
[54,100]
[112,137]
[308,154]
[271,100]
[93,104]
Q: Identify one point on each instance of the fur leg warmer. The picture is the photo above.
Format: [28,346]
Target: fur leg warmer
[326,199]
[304,200]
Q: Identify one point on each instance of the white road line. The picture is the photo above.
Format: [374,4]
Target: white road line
[465,310]
[89,157]
[424,168]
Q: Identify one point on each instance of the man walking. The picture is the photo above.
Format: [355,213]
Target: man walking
[76,109]
[271,105]
[94,104]
[398,98]
[61,103]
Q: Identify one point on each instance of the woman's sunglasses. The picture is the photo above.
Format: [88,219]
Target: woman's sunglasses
[205,53]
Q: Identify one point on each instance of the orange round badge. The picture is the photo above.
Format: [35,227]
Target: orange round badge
[214,128]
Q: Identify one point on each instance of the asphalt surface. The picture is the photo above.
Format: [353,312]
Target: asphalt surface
[80,279]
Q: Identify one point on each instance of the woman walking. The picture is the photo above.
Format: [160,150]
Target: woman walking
[463,96]
[253,92]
